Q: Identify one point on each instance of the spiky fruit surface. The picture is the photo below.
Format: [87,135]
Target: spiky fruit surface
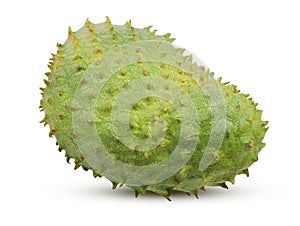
[243,132]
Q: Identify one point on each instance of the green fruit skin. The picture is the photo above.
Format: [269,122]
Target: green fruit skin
[244,128]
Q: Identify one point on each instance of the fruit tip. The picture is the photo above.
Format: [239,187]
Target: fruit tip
[128,24]
[108,22]
[70,32]
[148,28]
[87,21]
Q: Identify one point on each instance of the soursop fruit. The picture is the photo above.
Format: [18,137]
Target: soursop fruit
[128,105]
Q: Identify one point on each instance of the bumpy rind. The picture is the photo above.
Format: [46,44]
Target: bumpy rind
[244,128]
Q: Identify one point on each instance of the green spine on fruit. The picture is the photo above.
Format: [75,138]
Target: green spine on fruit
[244,130]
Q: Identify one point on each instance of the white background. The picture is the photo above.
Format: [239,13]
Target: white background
[254,44]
